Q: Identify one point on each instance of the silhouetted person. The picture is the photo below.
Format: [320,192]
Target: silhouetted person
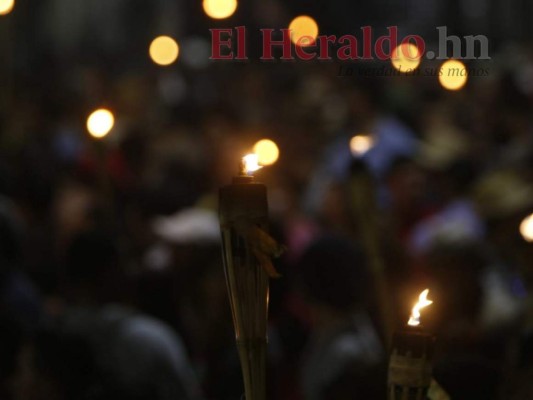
[143,357]
[54,365]
[344,357]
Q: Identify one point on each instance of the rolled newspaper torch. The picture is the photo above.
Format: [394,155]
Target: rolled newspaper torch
[247,251]
[410,368]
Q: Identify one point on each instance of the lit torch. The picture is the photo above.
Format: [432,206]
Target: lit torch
[410,362]
[247,252]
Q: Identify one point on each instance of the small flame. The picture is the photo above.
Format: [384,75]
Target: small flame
[423,301]
[250,163]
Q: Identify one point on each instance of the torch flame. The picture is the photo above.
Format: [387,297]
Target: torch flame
[250,163]
[423,301]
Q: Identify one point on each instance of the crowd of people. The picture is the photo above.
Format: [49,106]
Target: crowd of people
[111,277]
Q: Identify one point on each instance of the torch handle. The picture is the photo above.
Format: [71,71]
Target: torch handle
[243,208]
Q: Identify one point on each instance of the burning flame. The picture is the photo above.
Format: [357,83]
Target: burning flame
[423,301]
[250,163]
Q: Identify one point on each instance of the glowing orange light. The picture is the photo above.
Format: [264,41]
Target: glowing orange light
[100,123]
[360,144]
[405,57]
[6,6]
[164,50]
[304,30]
[453,75]
[220,9]
[423,301]
[250,163]
[267,151]
[526,228]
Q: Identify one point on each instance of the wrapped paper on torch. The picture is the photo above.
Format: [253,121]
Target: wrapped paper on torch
[410,368]
[247,253]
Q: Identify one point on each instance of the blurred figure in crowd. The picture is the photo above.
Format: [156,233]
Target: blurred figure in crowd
[58,366]
[142,357]
[470,357]
[405,182]
[390,140]
[184,285]
[503,198]
[445,155]
[344,357]
[19,300]
[20,305]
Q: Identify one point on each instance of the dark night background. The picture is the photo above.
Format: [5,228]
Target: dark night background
[111,276]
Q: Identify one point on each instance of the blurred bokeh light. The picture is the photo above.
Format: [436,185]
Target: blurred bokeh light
[100,123]
[220,9]
[6,6]
[526,228]
[360,144]
[453,75]
[164,50]
[405,56]
[301,27]
[267,151]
